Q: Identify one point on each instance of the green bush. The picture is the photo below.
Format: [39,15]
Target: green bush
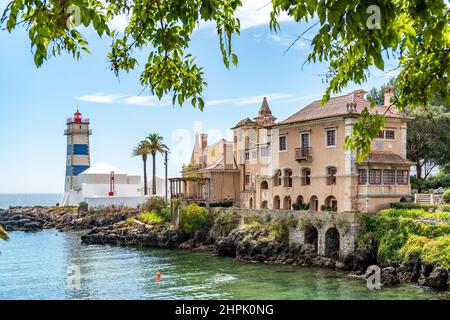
[193,217]
[300,206]
[224,204]
[324,207]
[414,214]
[446,196]
[226,222]
[437,252]
[441,180]
[414,247]
[154,204]
[407,205]
[151,218]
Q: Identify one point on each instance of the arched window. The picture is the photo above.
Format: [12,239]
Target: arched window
[331,175]
[306,176]
[314,203]
[299,200]
[277,179]
[287,178]
[287,203]
[331,203]
[264,204]
[264,185]
[276,202]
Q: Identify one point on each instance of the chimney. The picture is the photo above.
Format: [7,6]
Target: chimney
[359,94]
[388,93]
[204,138]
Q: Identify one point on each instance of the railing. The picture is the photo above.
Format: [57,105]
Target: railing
[75,130]
[303,153]
[190,196]
[84,120]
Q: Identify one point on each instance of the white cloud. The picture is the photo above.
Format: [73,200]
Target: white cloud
[282,40]
[119,98]
[255,13]
[101,97]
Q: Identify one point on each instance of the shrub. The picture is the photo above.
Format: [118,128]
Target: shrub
[300,206]
[446,196]
[437,252]
[151,218]
[193,217]
[224,204]
[166,213]
[154,204]
[324,207]
[414,247]
[424,206]
[414,214]
[226,222]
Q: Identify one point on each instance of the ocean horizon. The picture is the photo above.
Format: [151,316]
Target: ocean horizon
[29,199]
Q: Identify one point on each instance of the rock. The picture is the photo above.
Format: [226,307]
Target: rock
[438,278]
[389,277]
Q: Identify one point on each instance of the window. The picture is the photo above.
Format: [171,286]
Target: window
[283,143]
[331,175]
[375,176]
[247,178]
[247,155]
[304,140]
[254,154]
[389,134]
[306,177]
[380,135]
[402,176]
[264,151]
[389,176]
[331,137]
[362,176]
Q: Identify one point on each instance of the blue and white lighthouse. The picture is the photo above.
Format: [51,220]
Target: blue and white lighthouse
[78,158]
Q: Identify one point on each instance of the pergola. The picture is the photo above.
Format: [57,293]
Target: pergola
[190,188]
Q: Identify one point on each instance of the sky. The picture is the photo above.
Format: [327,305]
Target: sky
[34,103]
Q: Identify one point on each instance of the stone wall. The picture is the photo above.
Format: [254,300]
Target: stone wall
[325,223]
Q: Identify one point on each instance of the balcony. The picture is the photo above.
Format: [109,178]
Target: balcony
[78,120]
[303,154]
[76,130]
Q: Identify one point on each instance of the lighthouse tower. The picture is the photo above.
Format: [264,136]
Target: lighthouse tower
[78,159]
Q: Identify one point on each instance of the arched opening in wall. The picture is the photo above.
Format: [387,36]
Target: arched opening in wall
[331,175]
[202,204]
[299,200]
[306,176]
[287,180]
[314,203]
[311,235]
[276,202]
[251,203]
[277,179]
[264,204]
[403,200]
[332,240]
[330,203]
[264,185]
[287,203]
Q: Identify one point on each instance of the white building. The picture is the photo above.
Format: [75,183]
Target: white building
[104,185]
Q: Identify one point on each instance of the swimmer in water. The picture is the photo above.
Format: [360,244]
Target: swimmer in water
[158,276]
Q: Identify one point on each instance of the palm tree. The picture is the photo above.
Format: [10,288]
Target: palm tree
[143,150]
[3,234]
[156,145]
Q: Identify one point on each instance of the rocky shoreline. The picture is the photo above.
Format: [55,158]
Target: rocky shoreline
[118,227]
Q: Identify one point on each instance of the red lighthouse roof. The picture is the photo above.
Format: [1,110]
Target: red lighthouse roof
[77,114]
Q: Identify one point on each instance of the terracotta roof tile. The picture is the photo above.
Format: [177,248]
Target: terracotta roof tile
[386,157]
[337,106]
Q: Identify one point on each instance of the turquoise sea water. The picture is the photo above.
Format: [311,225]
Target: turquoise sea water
[35,266]
[18,199]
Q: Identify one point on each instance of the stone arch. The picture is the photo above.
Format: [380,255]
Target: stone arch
[314,203]
[332,242]
[276,202]
[311,235]
[277,179]
[287,203]
[331,202]
[264,185]
[264,204]
[403,199]
[300,200]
